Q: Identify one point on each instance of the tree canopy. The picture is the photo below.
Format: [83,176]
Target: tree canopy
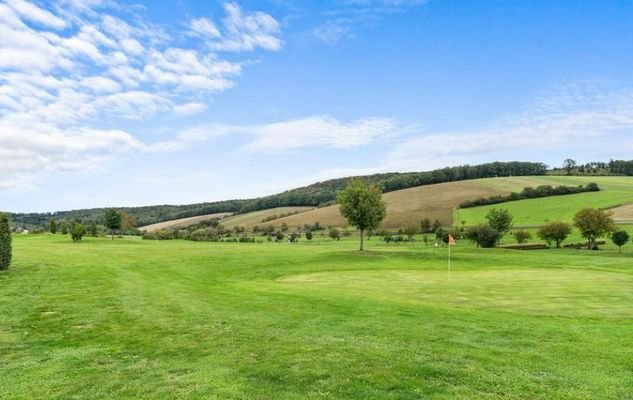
[592,224]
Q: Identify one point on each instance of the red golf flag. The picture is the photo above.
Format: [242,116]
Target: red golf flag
[451,241]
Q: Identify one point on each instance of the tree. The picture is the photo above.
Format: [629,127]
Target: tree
[53,227]
[593,223]
[483,235]
[77,231]
[334,234]
[522,236]
[63,227]
[499,220]
[5,242]
[362,205]
[93,229]
[425,225]
[569,165]
[112,220]
[280,236]
[620,238]
[555,231]
[308,235]
[127,221]
[410,231]
[441,234]
[436,225]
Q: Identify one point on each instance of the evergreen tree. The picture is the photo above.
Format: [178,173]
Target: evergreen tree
[5,242]
[64,227]
[53,227]
[93,229]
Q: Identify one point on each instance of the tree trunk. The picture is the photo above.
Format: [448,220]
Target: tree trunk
[361,239]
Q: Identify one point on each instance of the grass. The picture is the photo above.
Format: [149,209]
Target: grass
[616,191]
[177,319]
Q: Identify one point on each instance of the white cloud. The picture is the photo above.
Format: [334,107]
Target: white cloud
[69,66]
[240,31]
[205,28]
[567,119]
[284,136]
[319,132]
[33,13]
[190,108]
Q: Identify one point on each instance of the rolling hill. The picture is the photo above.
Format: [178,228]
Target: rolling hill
[616,191]
[440,201]
[182,222]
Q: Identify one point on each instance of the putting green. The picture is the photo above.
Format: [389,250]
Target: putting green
[555,292]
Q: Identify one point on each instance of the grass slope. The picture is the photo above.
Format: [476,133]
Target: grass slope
[255,218]
[409,205]
[175,319]
[615,191]
[181,222]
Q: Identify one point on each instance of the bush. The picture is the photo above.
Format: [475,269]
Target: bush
[522,236]
[77,231]
[483,235]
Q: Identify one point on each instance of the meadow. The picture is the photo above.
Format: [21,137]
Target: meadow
[178,319]
[616,191]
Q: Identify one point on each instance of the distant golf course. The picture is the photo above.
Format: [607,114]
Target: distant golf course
[177,319]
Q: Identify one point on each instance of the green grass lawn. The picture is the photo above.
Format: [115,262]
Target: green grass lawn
[615,191]
[177,319]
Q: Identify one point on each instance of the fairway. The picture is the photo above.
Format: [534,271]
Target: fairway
[178,319]
[561,292]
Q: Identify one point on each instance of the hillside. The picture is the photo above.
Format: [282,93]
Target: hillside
[616,191]
[313,195]
[182,222]
[440,202]
[410,205]
[256,217]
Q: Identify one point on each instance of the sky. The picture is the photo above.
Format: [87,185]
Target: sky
[117,103]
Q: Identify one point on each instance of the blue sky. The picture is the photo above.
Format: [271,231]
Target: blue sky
[113,103]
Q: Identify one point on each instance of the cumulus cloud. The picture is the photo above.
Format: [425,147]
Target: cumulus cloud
[78,64]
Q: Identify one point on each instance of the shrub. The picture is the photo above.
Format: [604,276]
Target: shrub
[555,231]
[77,231]
[522,236]
[483,235]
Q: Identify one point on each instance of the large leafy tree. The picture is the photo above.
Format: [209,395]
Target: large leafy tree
[112,220]
[592,224]
[5,242]
[555,231]
[362,205]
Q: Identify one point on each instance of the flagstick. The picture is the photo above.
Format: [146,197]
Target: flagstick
[449,261]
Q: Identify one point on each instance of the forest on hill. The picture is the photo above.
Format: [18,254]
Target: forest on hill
[320,193]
